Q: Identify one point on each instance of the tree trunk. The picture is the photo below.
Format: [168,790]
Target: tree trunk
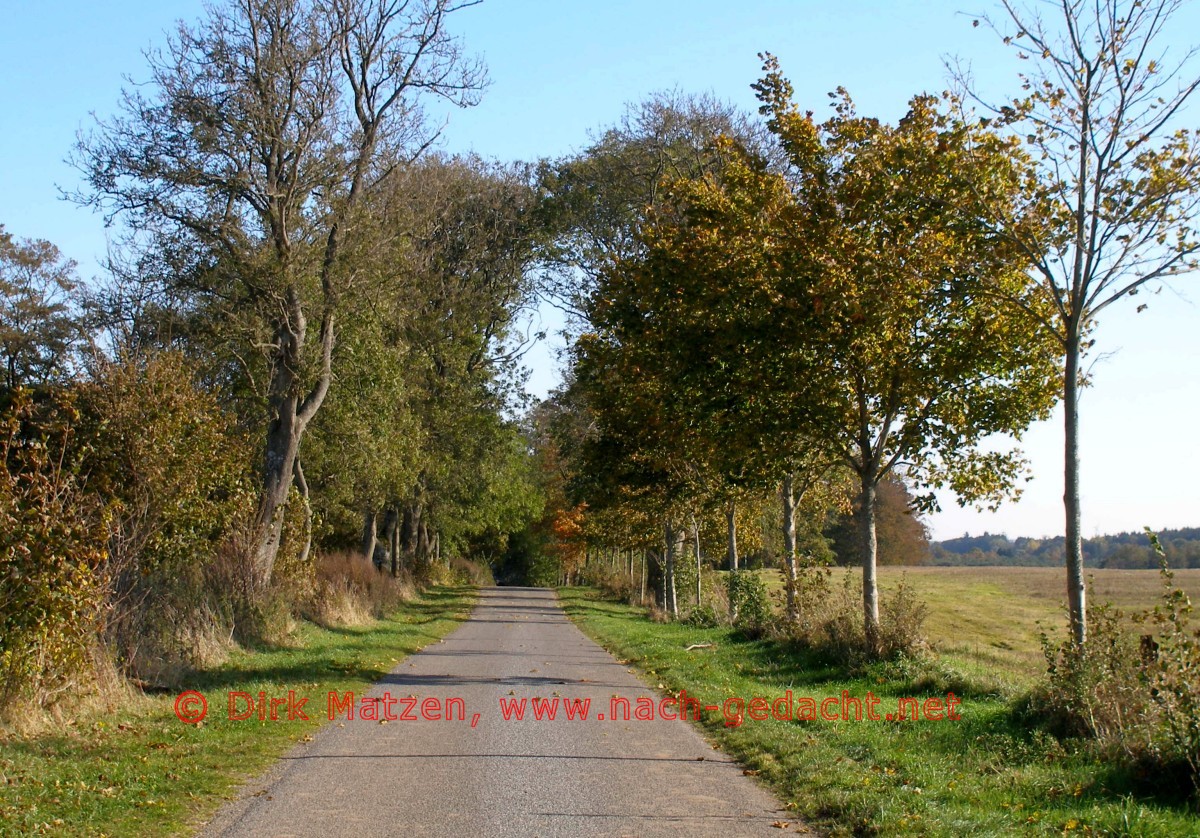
[391,523]
[870,582]
[289,416]
[424,544]
[1076,592]
[302,485]
[788,495]
[731,521]
[696,548]
[412,529]
[669,601]
[369,535]
[283,441]
[395,544]
[644,574]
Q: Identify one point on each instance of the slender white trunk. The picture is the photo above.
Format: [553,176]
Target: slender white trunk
[1076,591]
[788,496]
[645,573]
[670,603]
[870,582]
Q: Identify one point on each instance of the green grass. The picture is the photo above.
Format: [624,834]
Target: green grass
[983,775]
[140,771]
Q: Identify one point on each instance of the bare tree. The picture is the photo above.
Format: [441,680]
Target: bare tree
[252,147]
[1118,183]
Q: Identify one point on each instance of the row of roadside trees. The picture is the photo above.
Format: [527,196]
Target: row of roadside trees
[308,344]
[786,305]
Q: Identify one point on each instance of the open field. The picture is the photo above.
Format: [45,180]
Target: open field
[989,773]
[985,620]
[139,770]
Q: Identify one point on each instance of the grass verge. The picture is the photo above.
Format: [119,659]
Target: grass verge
[140,771]
[986,774]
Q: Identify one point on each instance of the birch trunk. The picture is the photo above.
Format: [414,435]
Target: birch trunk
[1076,591]
[669,601]
[787,494]
[869,548]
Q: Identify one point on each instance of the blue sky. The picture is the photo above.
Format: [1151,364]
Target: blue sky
[562,70]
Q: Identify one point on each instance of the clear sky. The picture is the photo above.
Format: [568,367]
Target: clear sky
[561,69]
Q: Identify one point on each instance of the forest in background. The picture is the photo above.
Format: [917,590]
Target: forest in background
[1129,550]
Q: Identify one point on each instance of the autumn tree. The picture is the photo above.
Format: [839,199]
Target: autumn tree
[883,268]
[599,199]
[901,534]
[695,312]
[39,327]
[1100,110]
[247,157]
[470,239]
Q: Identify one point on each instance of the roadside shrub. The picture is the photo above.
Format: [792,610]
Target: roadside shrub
[51,544]
[175,477]
[1137,698]
[1098,691]
[706,616]
[1173,676]
[831,618]
[749,604]
[902,623]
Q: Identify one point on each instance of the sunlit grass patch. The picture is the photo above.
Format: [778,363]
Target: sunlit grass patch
[986,774]
[141,771]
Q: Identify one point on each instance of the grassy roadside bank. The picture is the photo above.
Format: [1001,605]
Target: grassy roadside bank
[140,771]
[985,774]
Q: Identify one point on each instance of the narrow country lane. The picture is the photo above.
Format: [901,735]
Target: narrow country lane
[505,777]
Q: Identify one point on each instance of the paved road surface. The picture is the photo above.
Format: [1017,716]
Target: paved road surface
[505,778]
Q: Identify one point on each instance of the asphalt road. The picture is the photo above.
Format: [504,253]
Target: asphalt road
[504,777]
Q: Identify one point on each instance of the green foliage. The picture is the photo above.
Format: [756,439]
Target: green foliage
[705,616]
[1120,550]
[749,602]
[1173,674]
[52,543]
[1137,698]
[175,476]
[39,326]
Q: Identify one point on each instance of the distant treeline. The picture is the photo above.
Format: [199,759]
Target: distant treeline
[1123,550]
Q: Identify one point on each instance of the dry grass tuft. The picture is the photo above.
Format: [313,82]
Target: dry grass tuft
[349,591]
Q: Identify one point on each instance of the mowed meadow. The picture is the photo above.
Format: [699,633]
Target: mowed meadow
[989,619]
